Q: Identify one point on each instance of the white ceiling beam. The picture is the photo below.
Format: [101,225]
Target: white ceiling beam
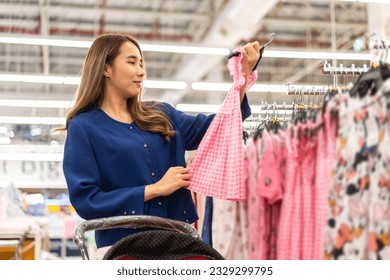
[44,20]
[313,24]
[44,29]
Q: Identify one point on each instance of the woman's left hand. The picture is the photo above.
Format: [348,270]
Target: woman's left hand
[250,56]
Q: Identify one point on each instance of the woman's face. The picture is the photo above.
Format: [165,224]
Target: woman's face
[126,73]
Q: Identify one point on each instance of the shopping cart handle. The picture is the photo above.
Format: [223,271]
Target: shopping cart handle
[133,222]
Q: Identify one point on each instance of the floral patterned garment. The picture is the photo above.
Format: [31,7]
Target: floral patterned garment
[358,219]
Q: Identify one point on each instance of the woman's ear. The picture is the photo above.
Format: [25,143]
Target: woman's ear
[107,71]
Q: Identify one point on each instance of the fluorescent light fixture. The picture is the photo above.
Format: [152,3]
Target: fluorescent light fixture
[317,55]
[205,86]
[31,156]
[368,1]
[32,120]
[184,49]
[213,108]
[198,108]
[45,42]
[40,79]
[211,86]
[86,44]
[22,103]
[35,184]
[165,84]
[73,80]
[188,49]
[5,140]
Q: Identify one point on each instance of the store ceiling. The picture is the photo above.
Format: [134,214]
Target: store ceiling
[299,25]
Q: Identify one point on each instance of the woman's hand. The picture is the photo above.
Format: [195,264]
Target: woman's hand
[175,178]
[250,56]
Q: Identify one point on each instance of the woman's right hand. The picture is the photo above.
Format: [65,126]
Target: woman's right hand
[175,178]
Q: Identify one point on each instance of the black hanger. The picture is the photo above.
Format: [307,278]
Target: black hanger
[372,79]
[261,52]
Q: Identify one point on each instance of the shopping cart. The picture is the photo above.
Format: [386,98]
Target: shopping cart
[169,239]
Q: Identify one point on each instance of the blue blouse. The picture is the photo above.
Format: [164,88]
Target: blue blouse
[107,164]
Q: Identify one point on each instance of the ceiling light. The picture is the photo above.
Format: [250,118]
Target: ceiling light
[41,79]
[45,42]
[22,103]
[317,55]
[86,44]
[73,80]
[184,49]
[5,140]
[187,49]
[36,184]
[275,88]
[368,1]
[208,108]
[198,108]
[31,156]
[165,84]
[32,120]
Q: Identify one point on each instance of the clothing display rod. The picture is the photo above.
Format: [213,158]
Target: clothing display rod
[306,90]
[342,70]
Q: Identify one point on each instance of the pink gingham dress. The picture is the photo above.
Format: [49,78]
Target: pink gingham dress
[217,169]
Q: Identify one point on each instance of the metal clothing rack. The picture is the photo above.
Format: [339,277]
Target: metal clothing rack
[328,69]
[306,90]
[342,70]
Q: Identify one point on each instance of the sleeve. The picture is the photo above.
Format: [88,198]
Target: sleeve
[245,108]
[193,128]
[84,181]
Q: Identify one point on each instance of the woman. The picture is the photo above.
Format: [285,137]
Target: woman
[123,156]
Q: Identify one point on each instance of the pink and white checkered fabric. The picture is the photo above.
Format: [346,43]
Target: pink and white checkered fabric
[217,169]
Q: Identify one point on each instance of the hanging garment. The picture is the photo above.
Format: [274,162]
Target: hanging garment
[229,231]
[269,189]
[208,221]
[288,226]
[217,169]
[255,236]
[359,202]
[325,156]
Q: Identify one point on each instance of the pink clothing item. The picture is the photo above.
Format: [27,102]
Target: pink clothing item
[217,169]
[229,230]
[255,237]
[309,208]
[287,224]
[269,185]
[294,224]
[269,188]
[326,139]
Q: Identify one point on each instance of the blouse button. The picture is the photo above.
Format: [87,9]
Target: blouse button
[184,212]
[152,173]
[133,212]
[160,203]
[125,213]
[130,127]
[187,221]
[145,145]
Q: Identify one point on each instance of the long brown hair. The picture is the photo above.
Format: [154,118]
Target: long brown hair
[90,92]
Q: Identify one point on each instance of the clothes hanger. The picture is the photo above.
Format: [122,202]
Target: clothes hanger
[373,79]
[259,129]
[284,124]
[261,51]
